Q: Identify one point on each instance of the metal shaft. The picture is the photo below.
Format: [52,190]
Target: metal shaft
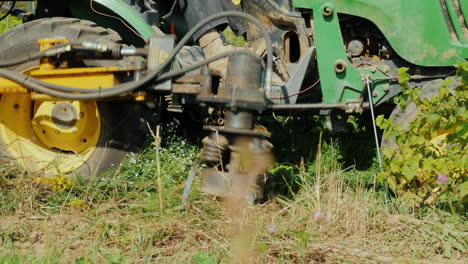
[371,104]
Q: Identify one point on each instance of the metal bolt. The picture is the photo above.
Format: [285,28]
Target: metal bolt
[16,106]
[81,114]
[340,66]
[74,130]
[327,11]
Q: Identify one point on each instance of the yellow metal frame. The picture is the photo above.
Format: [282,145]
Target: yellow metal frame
[27,130]
[29,135]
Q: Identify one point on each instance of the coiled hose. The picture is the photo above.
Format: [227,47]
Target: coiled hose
[155,75]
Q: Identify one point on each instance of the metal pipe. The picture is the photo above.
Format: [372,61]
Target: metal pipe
[454,19]
[133,52]
[306,106]
[239,120]
[371,103]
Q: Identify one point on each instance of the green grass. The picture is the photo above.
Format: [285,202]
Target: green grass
[8,23]
[118,219]
[115,217]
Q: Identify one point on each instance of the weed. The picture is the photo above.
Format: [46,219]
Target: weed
[324,211]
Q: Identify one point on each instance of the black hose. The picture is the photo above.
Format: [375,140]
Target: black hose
[65,92]
[48,88]
[9,11]
[52,51]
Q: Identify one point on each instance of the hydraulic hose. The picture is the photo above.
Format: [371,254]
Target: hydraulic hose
[55,50]
[117,52]
[9,11]
[87,94]
[50,89]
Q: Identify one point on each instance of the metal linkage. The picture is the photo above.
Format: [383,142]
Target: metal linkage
[214,146]
[242,97]
[377,145]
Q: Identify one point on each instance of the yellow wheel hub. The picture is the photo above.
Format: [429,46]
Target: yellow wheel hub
[55,136]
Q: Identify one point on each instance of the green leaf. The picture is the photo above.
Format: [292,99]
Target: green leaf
[463,190]
[403,76]
[380,120]
[202,258]
[408,172]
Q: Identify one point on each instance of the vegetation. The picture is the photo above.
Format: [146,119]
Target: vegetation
[325,204]
[9,23]
[318,211]
[429,165]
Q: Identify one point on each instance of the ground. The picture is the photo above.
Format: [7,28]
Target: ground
[320,211]
[324,206]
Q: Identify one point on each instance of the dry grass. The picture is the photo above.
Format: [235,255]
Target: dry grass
[117,219]
[357,229]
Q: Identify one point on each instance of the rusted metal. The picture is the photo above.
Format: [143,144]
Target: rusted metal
[237,131]
[241,89]
[216,182]
[282,25]
[206,82]
[243,81]
[239,120]
[187,84]
[214,146]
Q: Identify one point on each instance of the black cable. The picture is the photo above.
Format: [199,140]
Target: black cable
[52,51]
[192,67]
[9,11]
[48,88]
[166,16]
[152,75]
[87,94]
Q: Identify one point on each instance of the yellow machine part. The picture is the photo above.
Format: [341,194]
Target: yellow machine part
[55,136]
[52,134]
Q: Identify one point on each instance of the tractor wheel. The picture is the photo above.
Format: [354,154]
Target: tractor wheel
[96,136]
[405,118]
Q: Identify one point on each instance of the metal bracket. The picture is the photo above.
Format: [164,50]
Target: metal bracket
[340,79]
[159,49]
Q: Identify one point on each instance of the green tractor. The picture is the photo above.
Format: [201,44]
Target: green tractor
[80,79]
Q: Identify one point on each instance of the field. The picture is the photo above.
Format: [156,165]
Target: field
[324,205]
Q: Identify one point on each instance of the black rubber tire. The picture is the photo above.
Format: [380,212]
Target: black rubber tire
[405,118]
[118,130]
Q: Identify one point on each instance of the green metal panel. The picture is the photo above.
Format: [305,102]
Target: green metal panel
[464,9]
[130,16]
[416,29]
[116,8]
[339,86]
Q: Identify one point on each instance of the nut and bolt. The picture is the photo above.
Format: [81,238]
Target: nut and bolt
[340,66]
[327,11]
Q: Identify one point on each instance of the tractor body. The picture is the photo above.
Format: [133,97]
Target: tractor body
[329,58]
